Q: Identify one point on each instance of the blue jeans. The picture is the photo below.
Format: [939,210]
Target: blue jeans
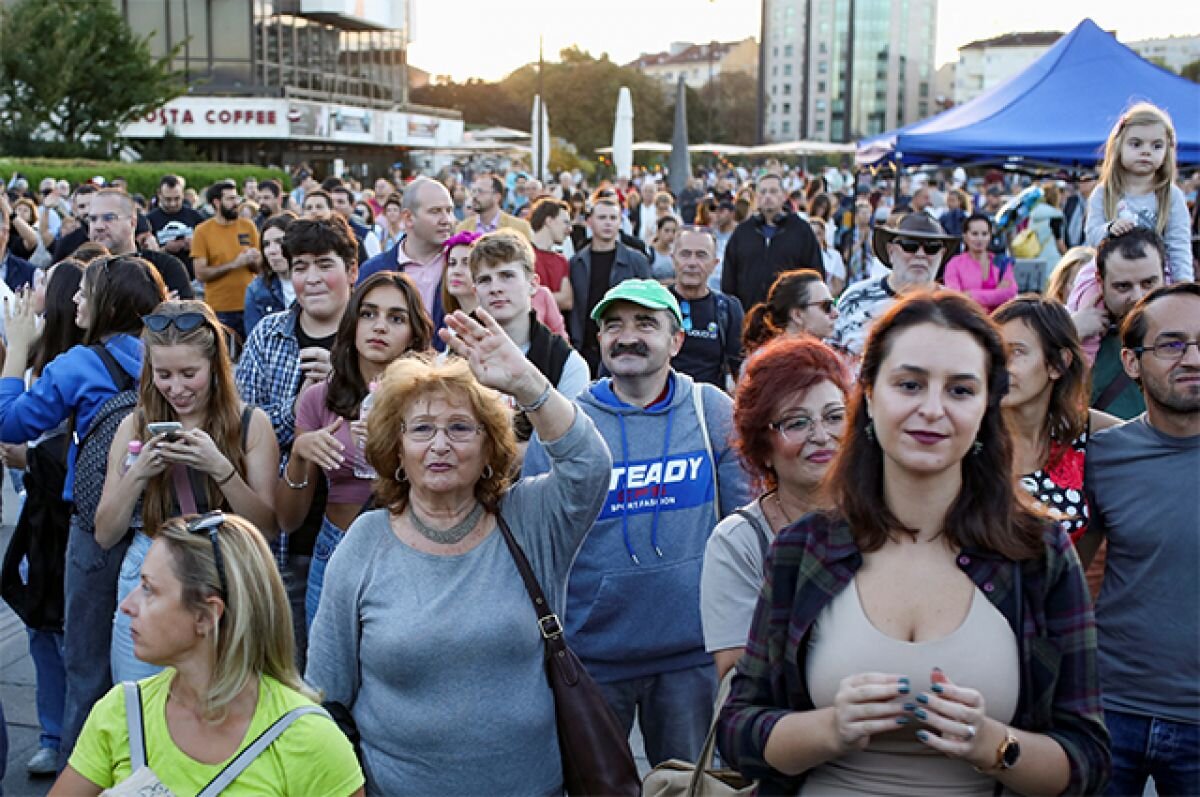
[91,599]
[674,710]
[1145,747]
[126,666]
[327,542]
[46,650]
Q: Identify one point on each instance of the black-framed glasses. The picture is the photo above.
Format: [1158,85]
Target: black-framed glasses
[1171,349]
[826,305]
[184,322]
[910,246]
[456,431]
[685,309]
[210,524]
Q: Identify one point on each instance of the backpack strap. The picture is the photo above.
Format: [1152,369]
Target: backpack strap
[121,379]
[1112,390]
[244,759]
[135,725]
[247,416]
[723,319]
[764,539]
[698,403]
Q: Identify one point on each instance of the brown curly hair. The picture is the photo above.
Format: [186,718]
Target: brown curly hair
[415,376]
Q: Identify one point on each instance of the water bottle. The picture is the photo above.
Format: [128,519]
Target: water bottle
[363,469]
[135,449]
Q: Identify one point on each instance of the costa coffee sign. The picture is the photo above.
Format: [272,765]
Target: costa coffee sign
[214,117]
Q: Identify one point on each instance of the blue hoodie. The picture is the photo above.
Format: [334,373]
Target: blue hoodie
[633,598]
[74,381]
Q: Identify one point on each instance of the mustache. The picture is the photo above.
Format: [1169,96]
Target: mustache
[638,349]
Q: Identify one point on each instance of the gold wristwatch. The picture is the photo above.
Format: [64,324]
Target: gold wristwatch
[1008,752]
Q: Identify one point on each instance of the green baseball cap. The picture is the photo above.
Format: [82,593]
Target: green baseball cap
[647,293]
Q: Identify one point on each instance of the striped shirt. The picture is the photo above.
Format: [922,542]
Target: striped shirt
[816,558]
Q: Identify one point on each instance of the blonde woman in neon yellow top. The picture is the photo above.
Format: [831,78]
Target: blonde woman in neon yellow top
[211,608]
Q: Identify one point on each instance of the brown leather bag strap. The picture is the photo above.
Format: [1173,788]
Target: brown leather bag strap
[548,622]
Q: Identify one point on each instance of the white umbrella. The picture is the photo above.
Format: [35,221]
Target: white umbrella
[622,147]
[540,138]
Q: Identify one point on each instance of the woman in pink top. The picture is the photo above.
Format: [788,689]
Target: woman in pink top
[385,319]
[974,272]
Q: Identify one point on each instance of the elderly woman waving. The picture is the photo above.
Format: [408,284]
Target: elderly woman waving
[425,630]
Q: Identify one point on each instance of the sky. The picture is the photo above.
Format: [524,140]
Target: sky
[490,38]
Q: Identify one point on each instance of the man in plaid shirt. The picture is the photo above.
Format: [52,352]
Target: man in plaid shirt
[288,352]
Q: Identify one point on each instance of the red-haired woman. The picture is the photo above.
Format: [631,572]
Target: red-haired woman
[933,636]
[789,412]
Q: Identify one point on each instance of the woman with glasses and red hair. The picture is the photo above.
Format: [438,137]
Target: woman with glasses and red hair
[198,447]
[790,413]
[229,713]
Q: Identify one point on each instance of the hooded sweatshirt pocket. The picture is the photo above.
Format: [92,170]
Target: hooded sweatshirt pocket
[643,612]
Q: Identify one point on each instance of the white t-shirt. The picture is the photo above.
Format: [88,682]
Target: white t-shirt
[734,561]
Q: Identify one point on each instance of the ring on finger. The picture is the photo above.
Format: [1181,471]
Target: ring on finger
[970,732]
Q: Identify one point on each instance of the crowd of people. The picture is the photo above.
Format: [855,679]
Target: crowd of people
[908,468]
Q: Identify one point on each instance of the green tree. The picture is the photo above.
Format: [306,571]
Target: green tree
[72,74]
[1191,71]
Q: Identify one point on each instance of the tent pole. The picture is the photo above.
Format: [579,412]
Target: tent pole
[896,164]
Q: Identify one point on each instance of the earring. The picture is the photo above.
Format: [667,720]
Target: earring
[870,431]
[399,474]
[976,447]
[488,472]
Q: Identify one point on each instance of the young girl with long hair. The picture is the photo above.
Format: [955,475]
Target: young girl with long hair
[799,303]
[384,320]
[1137,187]
[222,455]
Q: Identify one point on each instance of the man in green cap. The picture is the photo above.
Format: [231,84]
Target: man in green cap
[633,598]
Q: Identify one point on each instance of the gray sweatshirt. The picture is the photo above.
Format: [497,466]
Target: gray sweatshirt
[439,658]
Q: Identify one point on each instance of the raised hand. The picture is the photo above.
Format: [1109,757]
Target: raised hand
[494,359]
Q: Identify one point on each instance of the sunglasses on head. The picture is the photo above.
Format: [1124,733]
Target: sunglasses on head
[208,525]
[184,322]
[910,246]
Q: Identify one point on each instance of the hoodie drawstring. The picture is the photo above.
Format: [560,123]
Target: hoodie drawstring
[625,491]
[662,469]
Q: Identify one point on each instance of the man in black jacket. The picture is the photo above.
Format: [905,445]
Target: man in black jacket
[112,221]
[766,244]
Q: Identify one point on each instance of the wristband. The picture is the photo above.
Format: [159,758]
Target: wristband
[232,473]
[292,484]
[539,402]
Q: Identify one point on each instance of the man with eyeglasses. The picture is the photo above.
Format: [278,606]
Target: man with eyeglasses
[633,597]
[112,223]
[74,233]
[1128,267]
[1140,480]
[224,255]
[487,194]
[915,250]
[712,321]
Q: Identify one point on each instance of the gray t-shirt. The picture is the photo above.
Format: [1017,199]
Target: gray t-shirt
[439,658]
[734,562]
[1141,486]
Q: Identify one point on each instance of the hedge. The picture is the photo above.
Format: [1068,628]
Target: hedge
[142,177]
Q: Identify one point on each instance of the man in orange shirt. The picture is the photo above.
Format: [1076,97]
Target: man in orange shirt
[225,254]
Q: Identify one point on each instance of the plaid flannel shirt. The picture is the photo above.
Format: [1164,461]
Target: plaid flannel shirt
[268,376]
[813,560]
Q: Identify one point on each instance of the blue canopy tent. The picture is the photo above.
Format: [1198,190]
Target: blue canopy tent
[1057,112]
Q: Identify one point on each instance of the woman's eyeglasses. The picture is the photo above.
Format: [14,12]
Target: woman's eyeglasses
[184,322]
[826,305]
[456,431]
[210,523]
[910,246]
[801,427]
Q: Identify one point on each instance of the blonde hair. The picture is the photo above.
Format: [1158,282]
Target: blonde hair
[500,247]
[253,635]
[416,376]
[1062,278]
[1112,174]
[222,415]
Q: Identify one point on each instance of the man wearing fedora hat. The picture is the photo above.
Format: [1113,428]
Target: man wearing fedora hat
[915,249]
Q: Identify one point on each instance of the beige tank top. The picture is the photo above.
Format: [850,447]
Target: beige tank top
[981,653]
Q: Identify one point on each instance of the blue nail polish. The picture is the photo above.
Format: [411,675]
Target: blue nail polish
[923,735]
[904,688]
[910,706]
[901,720]
[937,688]
[922,698]
[921,715]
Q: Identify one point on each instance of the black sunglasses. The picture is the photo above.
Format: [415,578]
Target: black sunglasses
[910,246]
[826,305]
[210,523]
[184,322]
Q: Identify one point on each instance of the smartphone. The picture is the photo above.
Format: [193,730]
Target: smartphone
[170,428]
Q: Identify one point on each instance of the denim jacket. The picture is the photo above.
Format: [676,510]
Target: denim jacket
[263,297]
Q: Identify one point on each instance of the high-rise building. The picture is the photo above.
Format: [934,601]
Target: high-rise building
[839,70]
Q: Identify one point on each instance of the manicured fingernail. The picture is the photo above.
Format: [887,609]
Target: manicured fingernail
[910,706]
[921,715]
[904,688]
[923,735]
[922,698]
[901,720]
[937,688]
